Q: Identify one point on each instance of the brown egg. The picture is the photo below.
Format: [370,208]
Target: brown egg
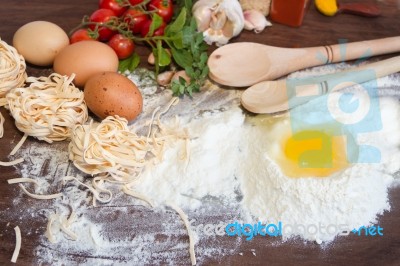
[85,59]
[110,93]
[39,42]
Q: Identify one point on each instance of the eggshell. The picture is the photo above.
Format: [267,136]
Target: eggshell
[40,41]
[85,59]
[110,93]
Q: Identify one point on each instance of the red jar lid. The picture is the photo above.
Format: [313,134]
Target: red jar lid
[288,12]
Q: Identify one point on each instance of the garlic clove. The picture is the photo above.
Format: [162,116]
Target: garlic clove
[218,20]
[183,74]
[151,59]
[255,20]
[164,78]
[203,18]
[234,13]
[227,30]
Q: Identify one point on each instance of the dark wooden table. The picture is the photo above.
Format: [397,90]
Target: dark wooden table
[316,30]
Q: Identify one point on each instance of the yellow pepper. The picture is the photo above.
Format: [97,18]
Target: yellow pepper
[327,7]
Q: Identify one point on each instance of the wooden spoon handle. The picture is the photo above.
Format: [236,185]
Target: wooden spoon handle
[360,9]
[362,74]
[360,50]
[301,58]
[336,81]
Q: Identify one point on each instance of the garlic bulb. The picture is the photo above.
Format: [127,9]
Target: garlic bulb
[255,20]
[219,20]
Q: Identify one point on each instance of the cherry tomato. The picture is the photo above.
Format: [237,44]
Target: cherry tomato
[101,16]
[81,35]
[157,32]
[136,19]
[164,8]
[113,5]
[122,45]
[135,2]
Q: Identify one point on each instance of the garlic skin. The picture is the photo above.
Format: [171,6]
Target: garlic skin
[219,20]
[255,20]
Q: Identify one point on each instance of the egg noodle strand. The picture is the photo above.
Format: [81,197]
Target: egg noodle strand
[18,241]
[186,222]
[19,144]
[2,120]
[3,102]
[16,161]
[127,190]
[11,163]
[12,68]
[94,190]
[58,223]
[22,180]
[49,108]
[39,196]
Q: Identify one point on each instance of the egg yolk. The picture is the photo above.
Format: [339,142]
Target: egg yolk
[313,153]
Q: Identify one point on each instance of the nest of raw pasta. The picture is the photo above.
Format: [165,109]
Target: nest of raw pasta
[49,108]
[12,68]
[110,148]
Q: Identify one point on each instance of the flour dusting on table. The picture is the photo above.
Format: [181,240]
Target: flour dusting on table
[226,178]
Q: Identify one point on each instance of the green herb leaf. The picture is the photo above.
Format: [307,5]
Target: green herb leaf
[178,42]
[178,24]
[203,59]
[182,57]
[164,59]
[204,72]
[187,37]
[130,63]
[155,24]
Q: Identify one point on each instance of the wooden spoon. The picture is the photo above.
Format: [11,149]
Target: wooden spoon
[360,9]
[275,96]
[245,63]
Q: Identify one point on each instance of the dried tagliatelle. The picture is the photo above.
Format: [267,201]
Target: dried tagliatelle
[12,68]
[111,148]
[1,125]
[16,161]
[49,108]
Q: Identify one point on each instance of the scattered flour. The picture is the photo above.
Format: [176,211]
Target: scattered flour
[209,171]
[353,197]
[228,177]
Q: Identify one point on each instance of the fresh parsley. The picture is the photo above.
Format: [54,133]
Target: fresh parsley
[187,50]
